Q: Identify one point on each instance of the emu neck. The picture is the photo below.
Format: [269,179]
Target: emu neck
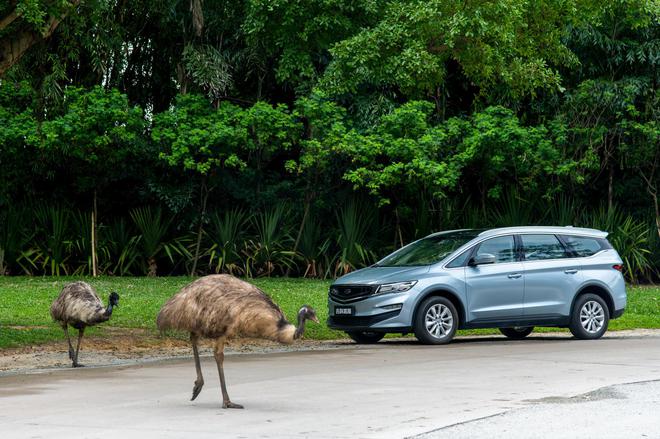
[300,330]
[108,310]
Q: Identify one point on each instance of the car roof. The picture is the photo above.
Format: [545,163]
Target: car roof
[560,230]
[565,230]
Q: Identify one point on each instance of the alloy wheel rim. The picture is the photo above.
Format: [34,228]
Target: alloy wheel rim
[592,317]
[439,321]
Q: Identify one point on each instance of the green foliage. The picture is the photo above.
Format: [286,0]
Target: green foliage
[354,227]
[416,46]
[434,115]
[152,240]
[122,248]
[14,237]
[200,138]
[268,250]
[51,241]
[98,135]
[628,236]
[227,234]
[298,34]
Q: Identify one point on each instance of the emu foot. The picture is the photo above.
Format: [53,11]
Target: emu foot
[231,405]
[78,365]
[197,388]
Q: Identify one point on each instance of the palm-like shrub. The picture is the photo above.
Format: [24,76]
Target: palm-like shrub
[152,241]
[226,235]
[313,249]
[627,235]
[122,243]
[52,240]
[269,249]
[512,210]
[354,225]
[81,245]
[14,237]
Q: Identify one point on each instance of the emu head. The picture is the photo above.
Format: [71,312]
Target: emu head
[114,299]
[307,313]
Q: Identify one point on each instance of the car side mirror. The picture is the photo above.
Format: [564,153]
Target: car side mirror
[482,259]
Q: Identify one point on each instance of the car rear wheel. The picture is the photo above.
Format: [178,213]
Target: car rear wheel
[365,337]
[590,317]
[517,332]
[436,321]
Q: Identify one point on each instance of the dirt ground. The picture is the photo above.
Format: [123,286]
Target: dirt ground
[135,346]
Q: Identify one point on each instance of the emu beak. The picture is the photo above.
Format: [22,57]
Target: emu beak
[315,319]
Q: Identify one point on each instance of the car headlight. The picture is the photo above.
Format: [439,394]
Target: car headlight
[398,287]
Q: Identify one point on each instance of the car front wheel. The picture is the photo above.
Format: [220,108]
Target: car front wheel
[590,317]
[517,332]
[436,321]
[365,337]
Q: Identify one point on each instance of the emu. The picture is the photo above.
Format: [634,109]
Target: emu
[78,305]
[220,307]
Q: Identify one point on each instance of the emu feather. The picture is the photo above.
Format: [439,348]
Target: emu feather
[221,307]
[79,306]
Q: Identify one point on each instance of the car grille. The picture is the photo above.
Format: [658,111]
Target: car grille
[351,293]
[341,321]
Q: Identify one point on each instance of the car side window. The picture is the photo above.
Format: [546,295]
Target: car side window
[540,247]
[582,246]
[503,248]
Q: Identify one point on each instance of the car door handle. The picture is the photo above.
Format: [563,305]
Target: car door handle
[571,271]
[514,275]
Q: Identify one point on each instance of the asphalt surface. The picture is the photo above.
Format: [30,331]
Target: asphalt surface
[479,387]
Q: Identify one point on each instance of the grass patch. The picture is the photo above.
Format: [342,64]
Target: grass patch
[25,304]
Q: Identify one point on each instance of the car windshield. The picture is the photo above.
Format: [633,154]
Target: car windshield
[428,250]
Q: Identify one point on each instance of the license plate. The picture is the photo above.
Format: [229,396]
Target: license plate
[343,310]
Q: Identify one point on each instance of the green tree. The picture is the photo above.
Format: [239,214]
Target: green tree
[504,48]
[97,139]
[204,140]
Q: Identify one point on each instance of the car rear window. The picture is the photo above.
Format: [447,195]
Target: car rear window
[582,246]
[539,247]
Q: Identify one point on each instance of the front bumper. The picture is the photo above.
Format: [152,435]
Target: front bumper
[364,323]
[372,313]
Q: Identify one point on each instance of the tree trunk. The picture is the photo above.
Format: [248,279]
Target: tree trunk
[308,201]
[94,220]
[153,267]
[13,46]
[397,233]
[653,192]
[204,196]
[610,191]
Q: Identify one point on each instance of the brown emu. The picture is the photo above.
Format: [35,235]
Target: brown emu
[78,305]
[220,307]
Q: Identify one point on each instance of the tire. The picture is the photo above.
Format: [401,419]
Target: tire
[517,332]
[436,321]
[365,337]
[589,318]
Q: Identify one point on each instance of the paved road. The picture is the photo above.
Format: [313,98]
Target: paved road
[390,390]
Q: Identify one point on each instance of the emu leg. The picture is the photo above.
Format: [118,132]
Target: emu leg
[199,382]
[66,332]
[81,331]
[219,359]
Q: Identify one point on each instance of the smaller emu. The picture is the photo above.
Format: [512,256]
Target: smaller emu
[78,305]
[221,307]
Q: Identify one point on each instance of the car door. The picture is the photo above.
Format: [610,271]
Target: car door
[495,291]
[551,276]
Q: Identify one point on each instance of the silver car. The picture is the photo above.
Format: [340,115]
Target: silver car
[511,278]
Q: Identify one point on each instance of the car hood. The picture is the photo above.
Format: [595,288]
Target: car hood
[382,275]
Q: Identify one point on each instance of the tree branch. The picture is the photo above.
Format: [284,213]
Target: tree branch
[13,47]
